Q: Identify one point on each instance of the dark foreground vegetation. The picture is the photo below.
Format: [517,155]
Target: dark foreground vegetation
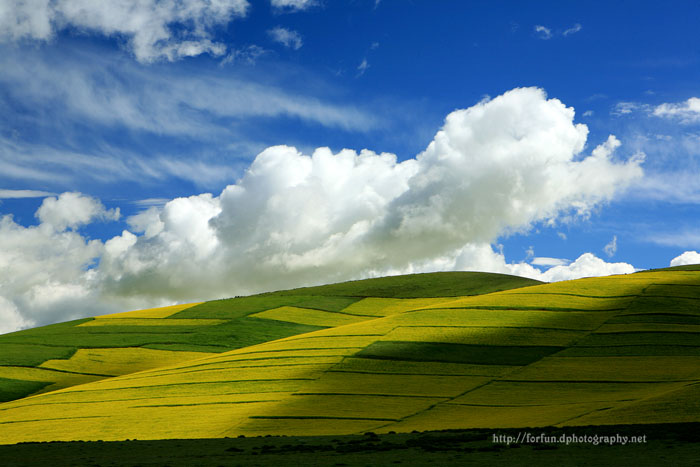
[658,445]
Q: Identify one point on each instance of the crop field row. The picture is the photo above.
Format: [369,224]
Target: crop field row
[490,336]
[162,312]
[641,338]
[381,307]
[245,306]
[571,320]
[119,361]
[657,316]
[309,316]
[503,300]
[151,322]
[682,404]
[621,369]
[649,327]
[542,393]
[650,350]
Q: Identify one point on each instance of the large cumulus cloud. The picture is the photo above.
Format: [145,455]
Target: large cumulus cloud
[295,219]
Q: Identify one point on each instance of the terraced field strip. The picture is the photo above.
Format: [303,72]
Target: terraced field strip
[640,338]
[162,312]
[119,361]
[447,416]
[309,316]
[368,406]
[612,369]
[24,354]
[393,384]
[567,320]
[457,353]
[547,393]
[151,322]
[244,306]
[681,404]
[657,316]
[107,421]
[531,301]
[651,350]
[691,291]
[649,327]
[381,307]
[491,335]
[402,367]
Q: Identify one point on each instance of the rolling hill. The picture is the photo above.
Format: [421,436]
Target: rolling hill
[419,352]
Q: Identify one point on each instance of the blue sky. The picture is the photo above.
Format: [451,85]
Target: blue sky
[128,107]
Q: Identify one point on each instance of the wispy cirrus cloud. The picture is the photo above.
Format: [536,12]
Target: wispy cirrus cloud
[18,194]
[543,32]
[291,6]
[158,100]
[546,33]
[287,37]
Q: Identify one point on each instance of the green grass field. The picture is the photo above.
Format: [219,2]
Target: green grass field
[418,352]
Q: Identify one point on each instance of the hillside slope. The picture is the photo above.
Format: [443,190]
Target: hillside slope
[612,350]
[62,355]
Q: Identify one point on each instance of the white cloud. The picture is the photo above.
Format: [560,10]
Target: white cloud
[10,317]
[626,108]
[362,67]
[572,30]
[586,265]
[688,257]
[71,210]
[154,29]
[45,275]
[293,5]
[248,54]
[588,113]
[611,248]
[294,219]
[287,37]
[686,112]
[546,261]
[15,194]
[543,32]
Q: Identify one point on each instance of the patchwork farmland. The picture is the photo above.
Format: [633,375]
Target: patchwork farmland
[420,352]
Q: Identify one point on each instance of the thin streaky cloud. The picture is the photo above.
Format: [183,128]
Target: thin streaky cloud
[287,37]
[572,30]
[543,32]
[18,194]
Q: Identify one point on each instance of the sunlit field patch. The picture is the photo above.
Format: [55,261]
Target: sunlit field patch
[119,361]
[151,322]
[510,336]
[162,312]
[531,301]
[308,316]
[391,306]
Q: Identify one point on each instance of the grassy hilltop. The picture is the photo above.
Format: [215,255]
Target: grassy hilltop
[419,352]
